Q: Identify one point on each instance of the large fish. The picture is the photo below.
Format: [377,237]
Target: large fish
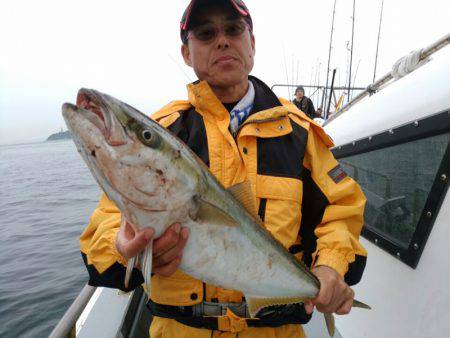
[156,180]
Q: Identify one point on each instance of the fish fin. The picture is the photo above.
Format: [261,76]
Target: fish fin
[130,265]
[138,261]
[208,212]
[357,303]
[243,193]
[257,304]
[329,320]
[147,265]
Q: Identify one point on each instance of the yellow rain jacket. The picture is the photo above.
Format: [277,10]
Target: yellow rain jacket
[303,196]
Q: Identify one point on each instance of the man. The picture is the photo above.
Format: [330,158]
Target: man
[304,103]
[242,131]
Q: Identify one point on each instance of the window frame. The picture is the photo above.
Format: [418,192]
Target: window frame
[429,126]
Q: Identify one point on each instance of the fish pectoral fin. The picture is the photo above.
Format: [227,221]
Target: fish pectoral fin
[329,320]
[130,266]
[361,305]
[243,193]
[208,212]
[143,262]
[257,304]
[147,257]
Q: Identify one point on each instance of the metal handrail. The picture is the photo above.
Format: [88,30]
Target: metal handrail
[312,86]
[66,326]
[373,88]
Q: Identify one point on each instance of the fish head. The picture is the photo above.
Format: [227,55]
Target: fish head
[133,158]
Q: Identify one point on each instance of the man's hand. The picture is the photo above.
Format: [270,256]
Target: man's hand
[131,240]
[335,296]
[167,249]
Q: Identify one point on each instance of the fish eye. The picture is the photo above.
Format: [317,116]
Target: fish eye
[148,137]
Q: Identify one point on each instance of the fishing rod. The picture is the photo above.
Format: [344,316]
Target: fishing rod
[319,64]
[378,42]
[285,67]
[179,67]
[331,94]
[351,52]
[329,52]
[356,72]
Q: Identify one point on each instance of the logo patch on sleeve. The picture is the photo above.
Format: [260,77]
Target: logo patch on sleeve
[337,174]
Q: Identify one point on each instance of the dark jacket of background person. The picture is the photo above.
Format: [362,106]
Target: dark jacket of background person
[306,106]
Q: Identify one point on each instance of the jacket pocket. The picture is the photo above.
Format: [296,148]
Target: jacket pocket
[280,201]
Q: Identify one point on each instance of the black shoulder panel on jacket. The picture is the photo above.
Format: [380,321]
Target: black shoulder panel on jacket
[265,98]
[190,128]
[113,277]
[313,208]
[283,156]
[355,270]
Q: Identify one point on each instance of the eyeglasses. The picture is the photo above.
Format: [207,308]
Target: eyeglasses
[209,32]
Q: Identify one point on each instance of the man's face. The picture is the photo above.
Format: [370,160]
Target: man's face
[299,95]
[225,61]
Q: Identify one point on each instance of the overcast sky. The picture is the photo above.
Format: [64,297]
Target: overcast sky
[131,50]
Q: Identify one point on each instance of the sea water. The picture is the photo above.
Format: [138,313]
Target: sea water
[46,197]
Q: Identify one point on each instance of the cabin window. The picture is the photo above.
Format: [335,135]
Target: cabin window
[404,175]
[397,181]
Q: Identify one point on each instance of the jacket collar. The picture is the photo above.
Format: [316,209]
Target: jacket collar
[203,98]
[265,98]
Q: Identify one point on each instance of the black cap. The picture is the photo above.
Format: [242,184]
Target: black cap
[238,5]
[300,88]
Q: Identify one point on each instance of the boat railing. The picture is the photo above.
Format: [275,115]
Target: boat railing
[67,325]
[423,55]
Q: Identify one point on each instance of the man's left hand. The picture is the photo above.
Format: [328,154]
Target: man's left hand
[335,296]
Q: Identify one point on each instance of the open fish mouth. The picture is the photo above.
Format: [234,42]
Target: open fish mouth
[95,111]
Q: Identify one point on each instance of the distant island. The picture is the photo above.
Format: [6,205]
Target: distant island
[62,135]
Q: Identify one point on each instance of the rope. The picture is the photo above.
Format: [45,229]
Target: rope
[407,64]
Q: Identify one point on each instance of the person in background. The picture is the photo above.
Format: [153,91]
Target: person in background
[242,131]
[304,103]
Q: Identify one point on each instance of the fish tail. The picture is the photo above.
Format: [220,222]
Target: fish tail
[329,318]
[357,303]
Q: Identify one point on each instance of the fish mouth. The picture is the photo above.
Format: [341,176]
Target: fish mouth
[95,110]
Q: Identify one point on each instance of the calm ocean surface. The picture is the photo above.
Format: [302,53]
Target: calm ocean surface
[46,197]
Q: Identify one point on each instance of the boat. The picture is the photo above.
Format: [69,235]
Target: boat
[394,139]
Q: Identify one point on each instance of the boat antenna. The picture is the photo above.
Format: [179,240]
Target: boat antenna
[329,54]
[351,52]
[378,42]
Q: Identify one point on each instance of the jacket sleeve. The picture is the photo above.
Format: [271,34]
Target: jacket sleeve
[332,212]
[106,267]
